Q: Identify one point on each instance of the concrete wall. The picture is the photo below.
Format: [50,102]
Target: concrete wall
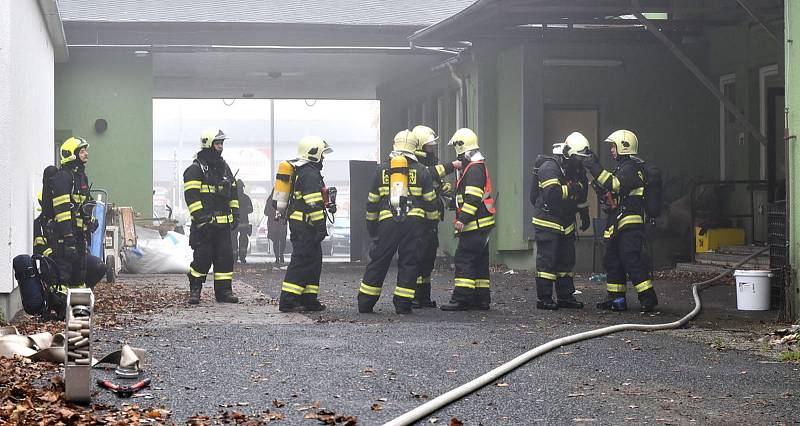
[793,105]
[26,121]
[116,86]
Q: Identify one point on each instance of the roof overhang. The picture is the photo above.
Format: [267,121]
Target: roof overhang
[55,29]
[254,60]
[493,19]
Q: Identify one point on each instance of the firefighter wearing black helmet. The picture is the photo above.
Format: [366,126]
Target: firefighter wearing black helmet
[212,199]
[624,234]
[72,213]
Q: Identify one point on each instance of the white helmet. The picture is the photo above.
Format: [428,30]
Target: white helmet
[464,140]
[405,141]
[313,149]
[425,136]
[578,145]
[210,135]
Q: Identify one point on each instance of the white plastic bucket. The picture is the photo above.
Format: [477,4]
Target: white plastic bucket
[752,290]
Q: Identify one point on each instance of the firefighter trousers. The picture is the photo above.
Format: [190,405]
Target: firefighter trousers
[624,260]
[429,244]
[302,275]
[71,269]
[212,246]
[472,285]
[555,259]
[403,238]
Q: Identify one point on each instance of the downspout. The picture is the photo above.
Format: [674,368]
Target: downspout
[454,57]
[52,21]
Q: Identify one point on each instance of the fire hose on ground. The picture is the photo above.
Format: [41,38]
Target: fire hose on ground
[479,382]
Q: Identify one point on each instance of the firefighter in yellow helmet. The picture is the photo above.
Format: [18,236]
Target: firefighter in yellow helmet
[474,220]
[624,189]
[398,204]
[427,154]
[558,192]
[209,189]
[71,204]
[307,215]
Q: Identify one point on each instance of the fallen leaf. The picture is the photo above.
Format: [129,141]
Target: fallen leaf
[455,422]
[376,407]
[502,385]
[278,404]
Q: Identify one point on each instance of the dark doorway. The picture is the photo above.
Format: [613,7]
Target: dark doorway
[776,148]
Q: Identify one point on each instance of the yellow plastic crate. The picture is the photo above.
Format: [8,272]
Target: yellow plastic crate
[715,238]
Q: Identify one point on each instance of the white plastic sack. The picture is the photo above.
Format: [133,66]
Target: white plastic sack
[156,255]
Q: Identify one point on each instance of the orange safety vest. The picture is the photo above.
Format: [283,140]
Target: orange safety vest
[488,200]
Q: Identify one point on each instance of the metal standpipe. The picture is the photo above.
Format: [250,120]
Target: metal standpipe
[454,395]
[78,345]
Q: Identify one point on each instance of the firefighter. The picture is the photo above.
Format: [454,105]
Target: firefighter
[474,220]
[240,237]
[72,215]
[426,153]
[559,190]
[398,204]
[307,216]
[211,194]
[624,234]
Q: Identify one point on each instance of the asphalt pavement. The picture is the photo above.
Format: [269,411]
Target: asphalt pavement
[251,358]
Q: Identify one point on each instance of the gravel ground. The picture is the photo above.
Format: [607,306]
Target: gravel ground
[250,358]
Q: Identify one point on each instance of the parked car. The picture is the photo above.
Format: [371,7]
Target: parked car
[340,235]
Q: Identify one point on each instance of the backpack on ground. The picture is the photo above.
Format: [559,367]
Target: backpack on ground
[37,276]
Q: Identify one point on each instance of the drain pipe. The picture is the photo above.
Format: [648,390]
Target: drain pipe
[469,387]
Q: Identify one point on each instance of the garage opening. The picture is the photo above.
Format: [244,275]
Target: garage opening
[262,132]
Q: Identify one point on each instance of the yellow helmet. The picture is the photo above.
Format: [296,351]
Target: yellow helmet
[578,145]
[626,141]
[210,135]
[313,149]
[405,141]
[70,148]
[464,140]
[425,136]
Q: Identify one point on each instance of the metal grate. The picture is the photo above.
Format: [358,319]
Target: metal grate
[778,251]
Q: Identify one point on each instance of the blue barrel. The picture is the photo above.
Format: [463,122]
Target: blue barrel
[98,236]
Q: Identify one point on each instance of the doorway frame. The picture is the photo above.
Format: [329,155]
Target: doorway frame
[723,80]
[763,73]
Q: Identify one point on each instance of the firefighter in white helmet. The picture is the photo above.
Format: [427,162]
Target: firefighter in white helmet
[398,204]
[427,154]
[624,188]
[474,220]
[307,213]
[559,191]
[209,189]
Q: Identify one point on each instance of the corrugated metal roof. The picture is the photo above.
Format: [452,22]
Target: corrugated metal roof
[331,12]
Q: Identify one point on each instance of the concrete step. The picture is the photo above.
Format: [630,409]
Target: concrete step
[741,250]
[724,259]
[694,267]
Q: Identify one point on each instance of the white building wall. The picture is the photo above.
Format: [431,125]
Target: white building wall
[26,127]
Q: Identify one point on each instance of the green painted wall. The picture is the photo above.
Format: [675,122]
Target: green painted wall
[116,86]
[792,18]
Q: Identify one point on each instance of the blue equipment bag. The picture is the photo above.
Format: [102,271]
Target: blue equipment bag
[32,290]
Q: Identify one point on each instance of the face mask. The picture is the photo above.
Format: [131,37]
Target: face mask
[461,157]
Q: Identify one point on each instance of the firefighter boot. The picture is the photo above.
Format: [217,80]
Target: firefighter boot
[310,303]
[402,305]
[615,302]
[366,303]
[224,294]
[195,287]
[422,297]
[546,304]
[289,302]
[455,305]
[648,300]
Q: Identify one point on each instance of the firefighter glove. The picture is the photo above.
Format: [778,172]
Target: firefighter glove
[586,222]
[447,187]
